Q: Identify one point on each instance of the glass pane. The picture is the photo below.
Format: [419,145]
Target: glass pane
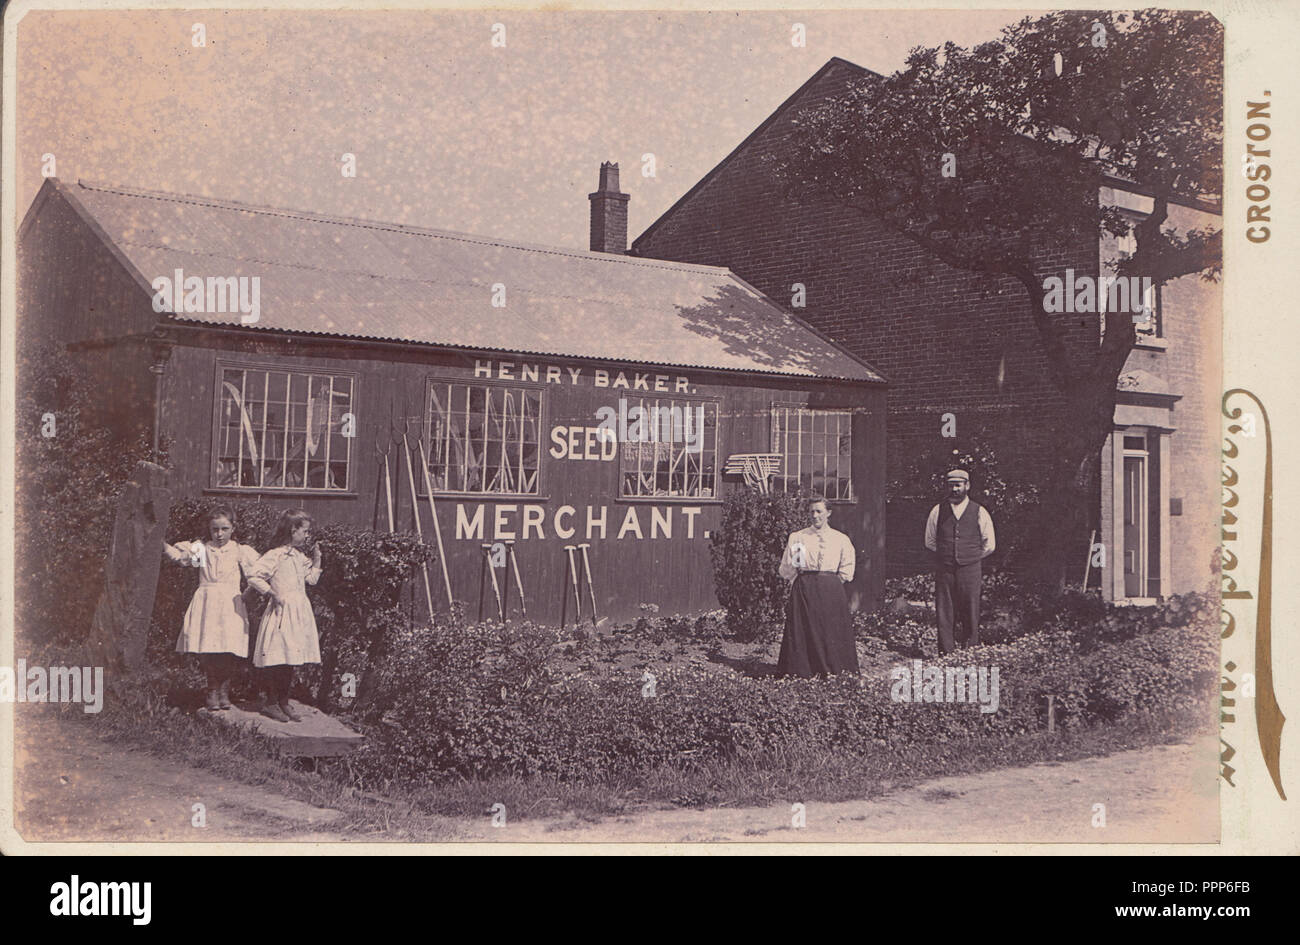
[315,475]
[279,386]
[273,473]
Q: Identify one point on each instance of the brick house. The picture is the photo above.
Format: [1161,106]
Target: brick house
[954,342]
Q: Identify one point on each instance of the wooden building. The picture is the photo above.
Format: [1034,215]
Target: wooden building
[283,355]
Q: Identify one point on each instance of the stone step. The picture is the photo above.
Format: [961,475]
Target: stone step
[316,736]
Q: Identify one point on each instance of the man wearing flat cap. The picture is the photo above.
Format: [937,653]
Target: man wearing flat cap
[960,533]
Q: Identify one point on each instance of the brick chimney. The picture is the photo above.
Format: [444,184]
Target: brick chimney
[608,213]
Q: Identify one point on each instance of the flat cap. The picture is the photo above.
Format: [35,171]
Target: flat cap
[958,474]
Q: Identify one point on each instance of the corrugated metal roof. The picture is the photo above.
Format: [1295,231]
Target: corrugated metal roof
[363,279]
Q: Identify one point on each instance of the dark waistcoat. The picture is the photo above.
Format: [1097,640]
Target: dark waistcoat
[959,538]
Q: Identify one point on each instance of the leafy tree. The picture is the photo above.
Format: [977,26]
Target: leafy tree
[1133,96]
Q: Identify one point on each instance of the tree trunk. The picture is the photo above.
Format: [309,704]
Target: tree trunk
[1059,542]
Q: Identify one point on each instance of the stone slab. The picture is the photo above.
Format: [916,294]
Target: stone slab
[317,736]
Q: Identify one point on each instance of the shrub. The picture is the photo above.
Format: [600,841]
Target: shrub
[746,552]
[356,602]
[993,451]
[66,498]
[485,700]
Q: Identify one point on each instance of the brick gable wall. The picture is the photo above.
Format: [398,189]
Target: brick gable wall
[938,334]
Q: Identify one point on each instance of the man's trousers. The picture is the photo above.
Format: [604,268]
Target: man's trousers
[957,601]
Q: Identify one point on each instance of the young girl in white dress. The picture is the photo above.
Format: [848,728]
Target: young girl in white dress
[216,623]
[287,636]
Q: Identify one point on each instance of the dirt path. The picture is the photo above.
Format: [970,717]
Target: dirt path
[74,786]
[1167,794]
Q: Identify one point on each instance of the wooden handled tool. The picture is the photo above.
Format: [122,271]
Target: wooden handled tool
[419,531]
[519,583]
[437,529]
[496,588]
[573,572]
[586,567]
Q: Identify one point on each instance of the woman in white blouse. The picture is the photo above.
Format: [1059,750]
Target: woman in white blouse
[819,561]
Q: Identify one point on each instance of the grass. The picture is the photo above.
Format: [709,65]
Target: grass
[424,812]
[136,714]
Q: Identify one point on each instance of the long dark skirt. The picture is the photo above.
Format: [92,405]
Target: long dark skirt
[818,629]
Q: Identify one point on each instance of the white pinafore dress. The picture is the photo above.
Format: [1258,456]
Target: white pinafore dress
[287,636]
[216,620]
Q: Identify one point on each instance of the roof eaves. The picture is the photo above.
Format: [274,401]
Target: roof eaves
[204,325]
[808,326]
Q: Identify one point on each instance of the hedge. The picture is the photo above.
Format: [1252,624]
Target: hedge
[481,701]
[357,601]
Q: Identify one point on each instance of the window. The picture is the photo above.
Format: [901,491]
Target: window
[483,438]
[283,430]
[816,448]
[669,450]
[1147,320]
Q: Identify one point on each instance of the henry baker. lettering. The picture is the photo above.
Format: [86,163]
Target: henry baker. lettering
[960,533]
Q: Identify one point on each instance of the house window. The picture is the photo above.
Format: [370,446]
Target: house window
[1147,322]
[670,450]
[483,438]
[284,430]
[816,448]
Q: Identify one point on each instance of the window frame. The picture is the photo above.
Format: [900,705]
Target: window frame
[1155,337]
[775,447]
[426,429]
[224,364]
[716,403]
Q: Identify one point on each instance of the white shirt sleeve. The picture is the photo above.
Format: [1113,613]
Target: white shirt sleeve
[932,530]
[787,569]
[848,559]
[988,540]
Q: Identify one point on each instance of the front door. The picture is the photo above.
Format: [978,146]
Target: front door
[1135,516]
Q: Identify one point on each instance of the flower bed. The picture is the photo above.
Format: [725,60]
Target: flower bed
[484,701]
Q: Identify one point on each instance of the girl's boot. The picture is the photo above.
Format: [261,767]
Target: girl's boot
[286,683]
[272,707]
[213,702]
[227,671]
